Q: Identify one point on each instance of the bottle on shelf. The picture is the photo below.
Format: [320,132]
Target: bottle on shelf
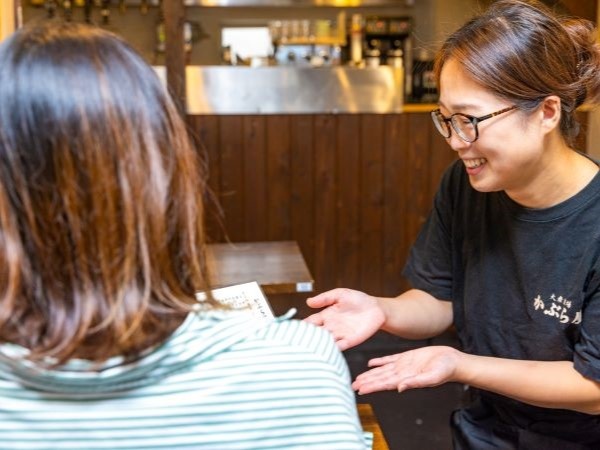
[356,40]
[424,89]
[395,58]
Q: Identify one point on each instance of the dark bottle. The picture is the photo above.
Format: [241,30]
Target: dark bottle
[424,84]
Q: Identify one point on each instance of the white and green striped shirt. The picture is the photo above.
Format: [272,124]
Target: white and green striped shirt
[222,381]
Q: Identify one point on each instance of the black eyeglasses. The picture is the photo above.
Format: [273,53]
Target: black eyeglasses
[464,124]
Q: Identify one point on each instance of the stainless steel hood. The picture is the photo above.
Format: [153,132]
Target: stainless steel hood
[283,3]
[298,3]
[292,90]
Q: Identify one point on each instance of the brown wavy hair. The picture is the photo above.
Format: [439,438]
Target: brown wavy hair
[101,230]
[522,52]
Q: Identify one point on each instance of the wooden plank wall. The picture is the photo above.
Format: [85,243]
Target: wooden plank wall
[352,190]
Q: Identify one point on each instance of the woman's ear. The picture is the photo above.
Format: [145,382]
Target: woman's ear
[551,112]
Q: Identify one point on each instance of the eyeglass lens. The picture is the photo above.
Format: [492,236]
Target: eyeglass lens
[462,125]
[441,125]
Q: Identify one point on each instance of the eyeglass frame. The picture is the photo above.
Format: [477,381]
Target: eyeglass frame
[472,119]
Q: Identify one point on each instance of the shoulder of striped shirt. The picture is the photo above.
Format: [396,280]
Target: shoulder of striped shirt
[316,343]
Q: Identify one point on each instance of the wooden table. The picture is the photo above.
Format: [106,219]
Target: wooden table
[277,266]
[369,423]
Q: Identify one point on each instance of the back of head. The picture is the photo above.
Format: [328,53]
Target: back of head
[100,197]
[522,52]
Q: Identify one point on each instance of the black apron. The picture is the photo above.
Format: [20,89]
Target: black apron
[484,425]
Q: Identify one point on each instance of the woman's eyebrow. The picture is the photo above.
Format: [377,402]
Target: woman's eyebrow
[459,107]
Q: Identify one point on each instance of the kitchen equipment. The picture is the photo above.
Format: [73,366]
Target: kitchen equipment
[356,39]
[394,58]
[392,37]
[373,57]
[424,83]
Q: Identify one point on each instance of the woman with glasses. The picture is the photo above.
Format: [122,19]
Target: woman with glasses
[510,254]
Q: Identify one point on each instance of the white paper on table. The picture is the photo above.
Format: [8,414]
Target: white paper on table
[243,296]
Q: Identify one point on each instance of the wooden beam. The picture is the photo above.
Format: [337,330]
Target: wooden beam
[174,14]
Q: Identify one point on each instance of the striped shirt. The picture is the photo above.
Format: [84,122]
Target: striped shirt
[223,380]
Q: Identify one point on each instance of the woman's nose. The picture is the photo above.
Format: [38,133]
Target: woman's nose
[456,143]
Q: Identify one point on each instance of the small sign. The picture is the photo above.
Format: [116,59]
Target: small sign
[304,287]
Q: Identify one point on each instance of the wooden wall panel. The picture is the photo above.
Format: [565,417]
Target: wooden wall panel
[326,261]
[352,190]
[255,182]
[395,195]
[232,190]
[205,135]
[348,208]
[416,174]
[302,201]
[371,202]
[580,141]
[278,178]
[441,157]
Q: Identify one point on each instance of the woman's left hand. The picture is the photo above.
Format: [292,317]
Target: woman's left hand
[423,367]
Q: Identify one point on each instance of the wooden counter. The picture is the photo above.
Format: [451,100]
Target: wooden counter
[278,267]
[370,423]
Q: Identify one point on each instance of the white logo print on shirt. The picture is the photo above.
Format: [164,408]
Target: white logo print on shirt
[559,307]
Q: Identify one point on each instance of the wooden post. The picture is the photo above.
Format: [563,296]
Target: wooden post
[174,15]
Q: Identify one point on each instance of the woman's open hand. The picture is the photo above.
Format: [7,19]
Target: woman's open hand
[423,367]
[350,316]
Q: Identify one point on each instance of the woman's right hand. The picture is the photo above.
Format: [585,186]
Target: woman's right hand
[350,316]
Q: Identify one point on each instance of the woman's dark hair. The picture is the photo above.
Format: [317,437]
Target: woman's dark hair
[522,52]
[101,232]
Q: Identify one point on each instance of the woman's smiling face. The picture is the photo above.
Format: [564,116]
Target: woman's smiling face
[509,152]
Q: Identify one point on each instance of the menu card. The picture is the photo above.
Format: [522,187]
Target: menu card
[246,296]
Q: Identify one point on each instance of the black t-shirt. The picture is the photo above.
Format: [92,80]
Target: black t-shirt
[524,283]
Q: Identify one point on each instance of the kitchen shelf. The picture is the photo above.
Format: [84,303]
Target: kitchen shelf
[330,36]
[333,40]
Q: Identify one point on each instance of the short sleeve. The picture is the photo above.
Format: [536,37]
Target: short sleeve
[429,266]
[587,349]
